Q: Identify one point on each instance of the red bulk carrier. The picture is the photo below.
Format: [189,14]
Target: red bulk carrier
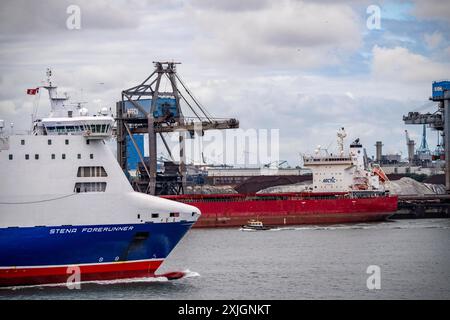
[231,210]
[344,189]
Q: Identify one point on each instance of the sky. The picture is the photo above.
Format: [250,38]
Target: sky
[304,68]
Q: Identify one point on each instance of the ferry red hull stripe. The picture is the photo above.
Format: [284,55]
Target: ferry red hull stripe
[16,276]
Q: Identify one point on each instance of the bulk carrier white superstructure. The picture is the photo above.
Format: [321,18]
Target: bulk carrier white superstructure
[65,202]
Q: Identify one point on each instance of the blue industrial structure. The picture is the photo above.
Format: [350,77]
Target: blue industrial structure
[439,87]
[165,107]
[132,155]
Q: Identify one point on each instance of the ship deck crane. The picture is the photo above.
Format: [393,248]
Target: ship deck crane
[146,109]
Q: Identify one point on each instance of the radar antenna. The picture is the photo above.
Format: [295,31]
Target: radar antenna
[49,76]
[341,134]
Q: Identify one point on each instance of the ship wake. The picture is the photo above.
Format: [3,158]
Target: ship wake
[165,277]
[368,226]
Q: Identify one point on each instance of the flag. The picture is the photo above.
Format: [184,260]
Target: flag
[32,91]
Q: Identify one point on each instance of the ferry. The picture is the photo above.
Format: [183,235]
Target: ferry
[67,209]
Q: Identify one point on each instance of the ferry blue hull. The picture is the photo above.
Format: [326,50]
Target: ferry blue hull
[33,255]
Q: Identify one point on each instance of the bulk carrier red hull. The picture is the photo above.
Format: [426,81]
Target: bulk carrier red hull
[231,210]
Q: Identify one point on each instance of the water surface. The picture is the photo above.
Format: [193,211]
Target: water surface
[304,262]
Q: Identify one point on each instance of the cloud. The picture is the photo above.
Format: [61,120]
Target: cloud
[230,5]
[304,67]
[434,39]
[308,110]
[399,64]
[432,10]
[285,32]
[24,17]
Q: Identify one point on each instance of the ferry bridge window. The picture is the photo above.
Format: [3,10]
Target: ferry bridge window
[10,157]
[92,128]
[91,172]
[67,141]
[90,187]
[49,142]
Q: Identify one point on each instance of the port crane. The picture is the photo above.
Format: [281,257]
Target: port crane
[438,120]
[423,148]
[439,152]
[148,109]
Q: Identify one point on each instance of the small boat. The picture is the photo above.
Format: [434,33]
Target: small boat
[255,225]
